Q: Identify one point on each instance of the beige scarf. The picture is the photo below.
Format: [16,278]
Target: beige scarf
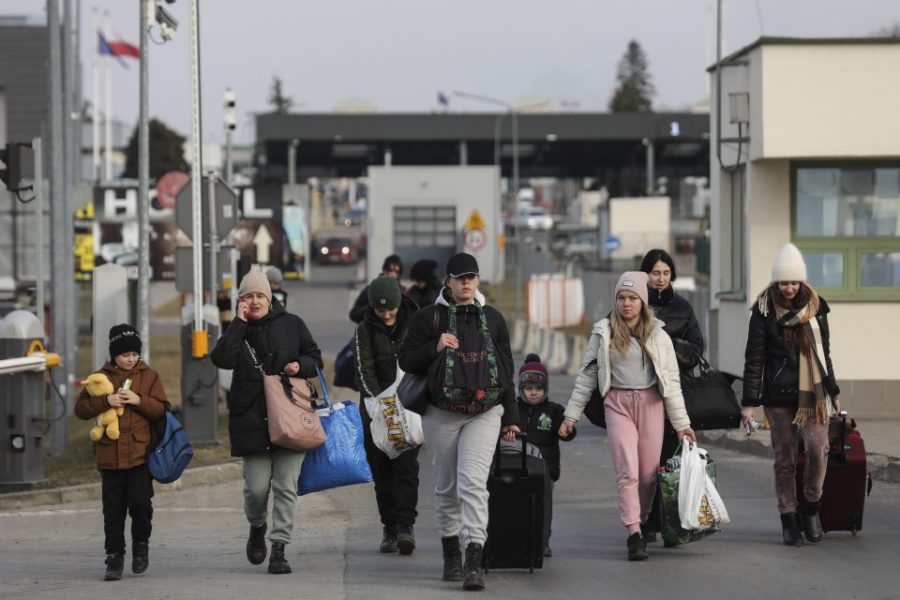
[812,400]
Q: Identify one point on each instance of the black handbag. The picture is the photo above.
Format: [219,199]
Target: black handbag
[709,399]
[345,366]
[413,392]
[594,410]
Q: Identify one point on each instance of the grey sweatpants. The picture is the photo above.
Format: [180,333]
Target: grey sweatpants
[279,470]
[462,448]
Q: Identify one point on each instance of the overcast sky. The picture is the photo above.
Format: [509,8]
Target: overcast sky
[397,54]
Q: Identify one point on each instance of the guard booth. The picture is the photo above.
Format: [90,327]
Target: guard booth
[22,422]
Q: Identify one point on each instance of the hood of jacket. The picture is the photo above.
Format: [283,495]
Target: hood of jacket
[442,299]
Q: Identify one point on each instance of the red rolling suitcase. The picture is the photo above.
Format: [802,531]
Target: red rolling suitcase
[519,488]
[847,480]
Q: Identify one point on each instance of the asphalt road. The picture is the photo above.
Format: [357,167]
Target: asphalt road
[197,549]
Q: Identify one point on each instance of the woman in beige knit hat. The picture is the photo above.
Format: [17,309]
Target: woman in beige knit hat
[264,336]
[630,359]
[788,370]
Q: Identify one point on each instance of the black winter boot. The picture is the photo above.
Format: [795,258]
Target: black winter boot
[453,570]
[140,557]
[637,548]
[278,565]
[406,539]
[791,530]
[473,577]
[115,564]
[812,524]
[389,539]
[256,545]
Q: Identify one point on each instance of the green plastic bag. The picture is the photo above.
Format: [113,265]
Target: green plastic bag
[672,531]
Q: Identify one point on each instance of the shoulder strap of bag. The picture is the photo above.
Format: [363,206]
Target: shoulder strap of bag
[253,358]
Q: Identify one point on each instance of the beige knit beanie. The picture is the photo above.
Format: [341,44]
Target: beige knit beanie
[789,265]
[634,281]
[255,281]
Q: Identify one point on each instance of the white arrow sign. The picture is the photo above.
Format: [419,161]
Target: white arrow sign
[263,241]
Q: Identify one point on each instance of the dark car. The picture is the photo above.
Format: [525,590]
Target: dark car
[338,250]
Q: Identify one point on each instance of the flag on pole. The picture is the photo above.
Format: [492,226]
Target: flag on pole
[118,49]
[443,100]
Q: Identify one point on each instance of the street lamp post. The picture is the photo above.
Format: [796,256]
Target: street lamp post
[515,176]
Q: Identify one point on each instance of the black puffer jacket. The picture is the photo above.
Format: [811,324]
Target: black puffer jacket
[377,346]
[426,295]
[541,422]
[419,350]
[681,325]
[771,375]
[278,338]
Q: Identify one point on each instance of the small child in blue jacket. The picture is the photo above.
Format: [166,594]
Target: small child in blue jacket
[541,418]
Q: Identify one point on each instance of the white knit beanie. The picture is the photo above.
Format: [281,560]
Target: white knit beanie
[789,265]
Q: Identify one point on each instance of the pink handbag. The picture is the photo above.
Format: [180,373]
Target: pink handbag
[293,420]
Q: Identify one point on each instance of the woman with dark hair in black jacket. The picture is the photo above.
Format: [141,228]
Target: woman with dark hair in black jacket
[787,369]
[681,324]
[378,340]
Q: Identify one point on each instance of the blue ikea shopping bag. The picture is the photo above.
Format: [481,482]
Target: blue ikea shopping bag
[172,454]
[341,460]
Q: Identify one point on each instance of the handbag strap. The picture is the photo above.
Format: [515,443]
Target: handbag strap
[254,359]
[325,395]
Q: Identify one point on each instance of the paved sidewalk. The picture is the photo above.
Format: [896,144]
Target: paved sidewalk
[880,437]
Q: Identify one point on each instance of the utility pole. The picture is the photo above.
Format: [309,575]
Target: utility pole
[58,252]
[199,341]
[143,282]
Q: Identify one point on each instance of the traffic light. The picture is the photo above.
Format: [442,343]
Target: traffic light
[11,157]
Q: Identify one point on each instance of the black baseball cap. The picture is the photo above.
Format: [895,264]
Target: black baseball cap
[462,264]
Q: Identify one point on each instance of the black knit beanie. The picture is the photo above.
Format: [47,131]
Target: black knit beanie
[123,338]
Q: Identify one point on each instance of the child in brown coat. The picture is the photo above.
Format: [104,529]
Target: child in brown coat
[127,487]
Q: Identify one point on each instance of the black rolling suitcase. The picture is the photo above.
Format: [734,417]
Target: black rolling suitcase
[518,488]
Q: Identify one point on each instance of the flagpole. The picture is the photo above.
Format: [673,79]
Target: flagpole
[95,101]
[107,124]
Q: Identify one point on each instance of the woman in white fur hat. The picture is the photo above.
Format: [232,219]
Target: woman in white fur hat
[788,370]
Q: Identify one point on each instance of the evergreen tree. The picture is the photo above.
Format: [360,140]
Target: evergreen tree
[281,103]
[166,151]
[634,91]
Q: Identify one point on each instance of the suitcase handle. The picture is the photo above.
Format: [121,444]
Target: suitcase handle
[522,436]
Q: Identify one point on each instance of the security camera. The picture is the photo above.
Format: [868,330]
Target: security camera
[229,98]
[167,23]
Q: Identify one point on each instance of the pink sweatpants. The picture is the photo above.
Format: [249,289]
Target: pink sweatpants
[634,427]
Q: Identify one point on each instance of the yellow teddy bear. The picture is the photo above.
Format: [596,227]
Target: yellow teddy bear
[98,384]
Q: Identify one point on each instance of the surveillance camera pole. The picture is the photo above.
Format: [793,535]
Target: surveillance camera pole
[199,341]
[143,282]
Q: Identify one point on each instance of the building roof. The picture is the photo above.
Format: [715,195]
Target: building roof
[794,41]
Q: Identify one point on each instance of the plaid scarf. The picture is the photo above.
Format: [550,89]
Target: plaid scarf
[812,400]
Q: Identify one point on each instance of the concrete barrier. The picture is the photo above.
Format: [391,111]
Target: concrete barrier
[517,341]
[558,359]
[576,355]
[546,346]
[532,339]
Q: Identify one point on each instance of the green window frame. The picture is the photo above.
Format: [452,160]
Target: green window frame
[825,252]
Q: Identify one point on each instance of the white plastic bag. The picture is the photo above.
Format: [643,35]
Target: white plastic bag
[394,428]
[699,504]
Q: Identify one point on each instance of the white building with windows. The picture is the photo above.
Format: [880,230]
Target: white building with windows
[809,152]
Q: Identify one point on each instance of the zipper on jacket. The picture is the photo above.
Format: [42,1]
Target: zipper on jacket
[778,372]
